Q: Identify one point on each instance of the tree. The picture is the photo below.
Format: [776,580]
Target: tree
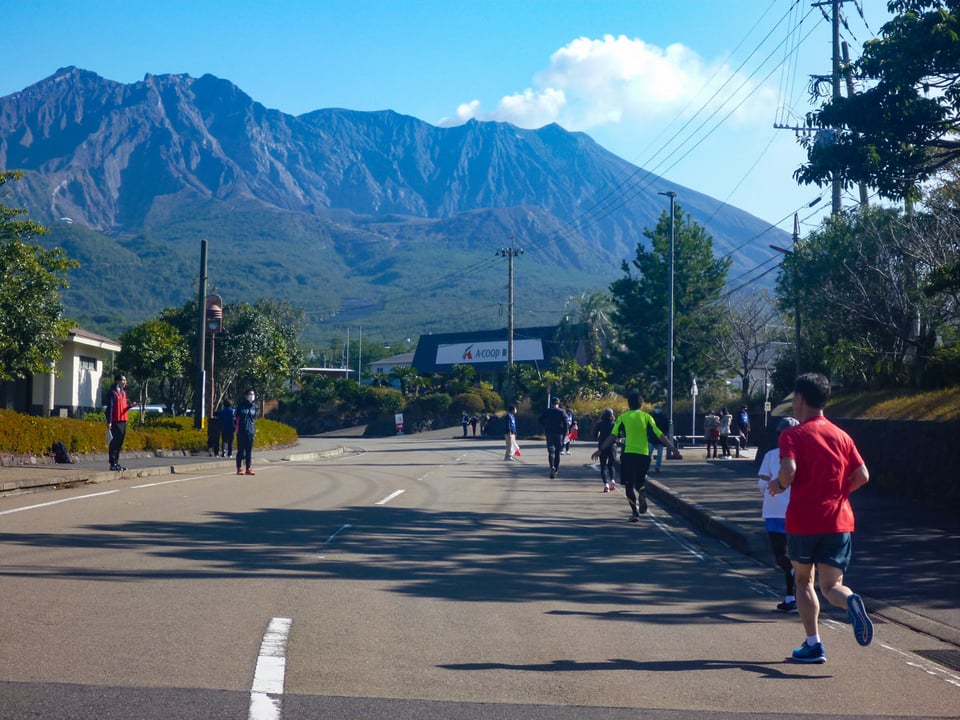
[593,324]
[154,350]
[860,280]
[568,380]
[32,326]
[259,348]
[409,380]
[460,379]
[745,339]
[641,302]
[902,129]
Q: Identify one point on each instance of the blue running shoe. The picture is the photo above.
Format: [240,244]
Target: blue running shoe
[857,613]
[810,653]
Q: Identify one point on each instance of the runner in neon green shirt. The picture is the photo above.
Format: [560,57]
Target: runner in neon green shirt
[635,461]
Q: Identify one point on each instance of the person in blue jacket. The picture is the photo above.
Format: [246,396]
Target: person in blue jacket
[510,432]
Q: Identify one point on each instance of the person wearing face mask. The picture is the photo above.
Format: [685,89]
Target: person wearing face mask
[246,428]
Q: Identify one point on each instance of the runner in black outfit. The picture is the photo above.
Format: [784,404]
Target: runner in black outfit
[554,422]
[601,431]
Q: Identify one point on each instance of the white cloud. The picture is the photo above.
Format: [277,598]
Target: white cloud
[596,83]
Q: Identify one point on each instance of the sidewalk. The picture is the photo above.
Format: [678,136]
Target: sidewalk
[906,561]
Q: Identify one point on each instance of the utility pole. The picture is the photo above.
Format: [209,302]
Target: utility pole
[509,253]
[796,293]
[673,197]
[836,206]
[835,77]
[795,286]
[864,198]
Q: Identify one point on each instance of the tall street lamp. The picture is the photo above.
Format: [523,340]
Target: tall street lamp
[796,290]
[673,196]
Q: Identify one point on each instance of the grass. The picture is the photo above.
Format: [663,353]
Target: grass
[931,406]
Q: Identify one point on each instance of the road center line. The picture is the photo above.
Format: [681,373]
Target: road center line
[266,694]
[390,497]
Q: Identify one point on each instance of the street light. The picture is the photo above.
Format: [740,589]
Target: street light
[214,315]
[796,290]
[673,196]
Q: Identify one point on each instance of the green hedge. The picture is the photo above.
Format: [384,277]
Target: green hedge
[30,435]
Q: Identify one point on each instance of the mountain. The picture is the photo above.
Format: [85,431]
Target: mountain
[371,218]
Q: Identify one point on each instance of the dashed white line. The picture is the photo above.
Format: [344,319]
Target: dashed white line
[390,497]
[676,538]
[266,694]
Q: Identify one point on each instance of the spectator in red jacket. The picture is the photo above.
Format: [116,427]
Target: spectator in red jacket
[117,407]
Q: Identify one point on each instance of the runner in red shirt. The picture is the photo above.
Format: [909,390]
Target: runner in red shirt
[822,466]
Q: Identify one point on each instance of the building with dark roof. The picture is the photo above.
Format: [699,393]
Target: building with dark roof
[487,350]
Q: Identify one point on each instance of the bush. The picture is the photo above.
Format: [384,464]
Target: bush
[470,403]
[430,406]
[31,435]
[492,402]
[944,368]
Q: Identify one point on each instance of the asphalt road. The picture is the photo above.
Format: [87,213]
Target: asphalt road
[414,578]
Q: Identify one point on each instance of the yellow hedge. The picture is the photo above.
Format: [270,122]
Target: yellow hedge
[30,435]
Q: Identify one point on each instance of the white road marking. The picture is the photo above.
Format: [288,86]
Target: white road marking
[676,538]
[390,497]
[916,662]
[57,502]
[169,482]
[332,537]
[266,694]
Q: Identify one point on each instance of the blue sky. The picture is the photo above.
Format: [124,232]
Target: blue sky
[689,89]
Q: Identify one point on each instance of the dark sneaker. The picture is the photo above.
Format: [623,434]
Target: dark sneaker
[642,505]
[634,518]
[857,614]
[810,653]
[787,607]
[115,467]
[553,473]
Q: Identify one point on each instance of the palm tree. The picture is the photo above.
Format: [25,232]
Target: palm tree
[593,325]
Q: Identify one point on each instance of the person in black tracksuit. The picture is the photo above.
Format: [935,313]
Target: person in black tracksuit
[554,422]
[246,429]
[228,427]
[601,431]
